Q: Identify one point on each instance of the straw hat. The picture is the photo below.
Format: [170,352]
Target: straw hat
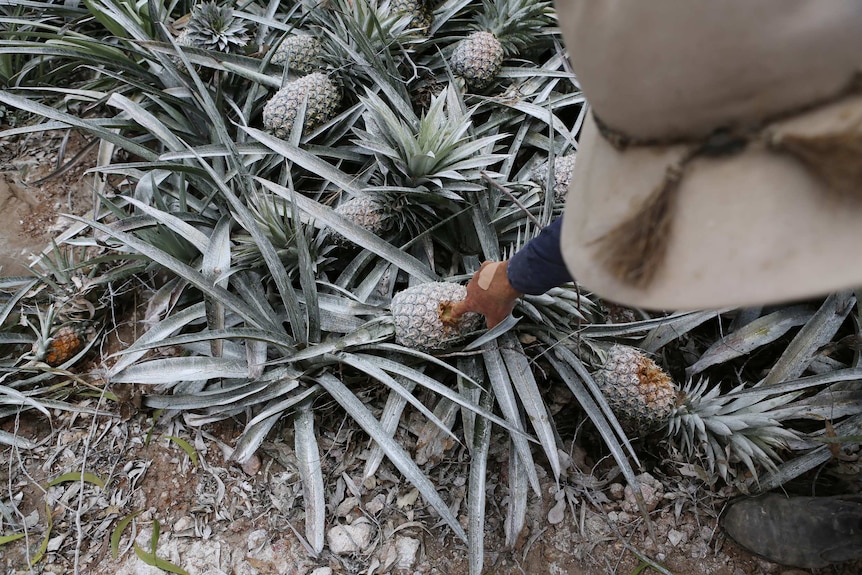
[721,164]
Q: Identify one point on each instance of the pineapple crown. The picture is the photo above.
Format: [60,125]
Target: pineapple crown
[214,27]
[515,23]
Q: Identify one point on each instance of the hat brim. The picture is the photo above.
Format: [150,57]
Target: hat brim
[748,229]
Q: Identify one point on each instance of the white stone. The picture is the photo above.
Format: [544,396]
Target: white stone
[408,548]
[257,539]
[675,537]
[322,571]
[183,523]
[345,539]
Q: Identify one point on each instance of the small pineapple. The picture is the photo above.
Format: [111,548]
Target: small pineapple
[64,344]
[422,318]
[323,98]
[300,53]
[504,28]
[422,16]
[723,429]
[366,212]
[563,166]
[213,27]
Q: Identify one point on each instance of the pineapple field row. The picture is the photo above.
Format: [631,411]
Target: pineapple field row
[287,198]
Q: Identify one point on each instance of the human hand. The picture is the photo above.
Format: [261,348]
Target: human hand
[488,293]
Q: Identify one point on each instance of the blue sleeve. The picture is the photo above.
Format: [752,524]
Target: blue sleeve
[539,266]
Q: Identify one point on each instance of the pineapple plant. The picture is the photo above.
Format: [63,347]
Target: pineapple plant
[421,315]
[300,53]
[503,28]
[559,179]
[322,97]
[213,27]
[725,430]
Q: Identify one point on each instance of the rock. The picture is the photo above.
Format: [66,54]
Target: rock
[345,539]
[257,539]
[322,571]
[407,548]
[616,491]
[651,489]
[184,523]
[676,537]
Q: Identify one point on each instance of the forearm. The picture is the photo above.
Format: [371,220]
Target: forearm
[539,266]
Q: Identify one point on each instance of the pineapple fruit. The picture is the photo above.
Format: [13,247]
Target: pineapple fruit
[563,166]
[422,317]
[504,28]
[300,53]
[366,212]
[213,27]
[421,14]
[723,430]
[323,98]
[61,345]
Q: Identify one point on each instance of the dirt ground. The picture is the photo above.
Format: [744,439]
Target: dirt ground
[214,517]
[41,177]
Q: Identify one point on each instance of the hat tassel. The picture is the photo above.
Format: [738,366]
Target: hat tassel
[834,158]
[634,250]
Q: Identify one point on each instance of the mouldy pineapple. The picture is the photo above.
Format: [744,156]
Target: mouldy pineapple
[323,98]
[503,28]
[299,53]
[724,429]
[563,166]
[421,315]
[213,27]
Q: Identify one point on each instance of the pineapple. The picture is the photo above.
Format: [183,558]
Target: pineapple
[422,320]
[563,166]
[300,53]
[366,212]
[63,345]
[213,27]
[323,98]
[504,28]
[723,429]
[422,16]
[55,345]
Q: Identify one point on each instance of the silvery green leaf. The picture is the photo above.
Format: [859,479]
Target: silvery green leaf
[675,327]
[505,396]
[110,135]
[7,438]
[155,334]
[757,333]
[530,397]
[370,366]
[146,120]
[431,441]
[443,390]
[396,454]
[230,395]
[803,463]
[308,463]
[389,420]
[236,305]
[256,430]
[817,332]
[174,369]
[476,488]
[516,509]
